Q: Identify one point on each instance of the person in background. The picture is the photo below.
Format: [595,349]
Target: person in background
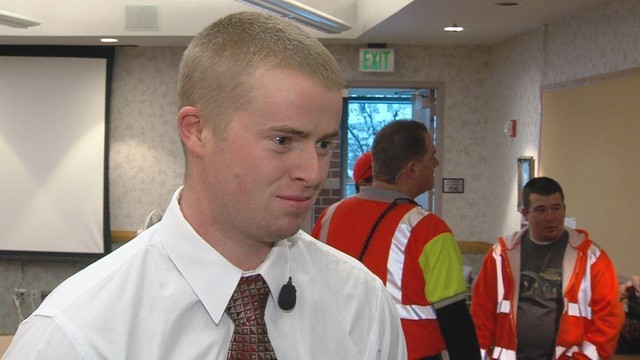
[413,251]
[629,341]
[630,288]
[546,291]
[362,171]
[259,109]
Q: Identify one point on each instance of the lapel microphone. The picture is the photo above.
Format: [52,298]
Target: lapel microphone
[287,296]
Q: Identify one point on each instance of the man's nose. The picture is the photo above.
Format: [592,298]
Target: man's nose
[309,167]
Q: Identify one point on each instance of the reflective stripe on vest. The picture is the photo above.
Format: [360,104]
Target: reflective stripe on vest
[416,312]
[504,306]
[582,308]
[590,350]
[587,349]
[324,230]
[503,354]
[395,266]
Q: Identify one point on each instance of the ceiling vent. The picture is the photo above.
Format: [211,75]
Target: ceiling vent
[141,18]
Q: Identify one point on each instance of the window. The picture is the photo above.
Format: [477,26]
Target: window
[369,109]
[367,113]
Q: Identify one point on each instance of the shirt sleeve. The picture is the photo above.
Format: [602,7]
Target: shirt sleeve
[441,264]
[484,303]
[388,338]
[608,314]
[40,338]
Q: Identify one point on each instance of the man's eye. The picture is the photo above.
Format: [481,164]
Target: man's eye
[282,140]
[324,146]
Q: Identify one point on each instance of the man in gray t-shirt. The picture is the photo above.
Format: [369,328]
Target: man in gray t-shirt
[546,291]
[540,297]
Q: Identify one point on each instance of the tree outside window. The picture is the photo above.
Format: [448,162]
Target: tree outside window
[366,117]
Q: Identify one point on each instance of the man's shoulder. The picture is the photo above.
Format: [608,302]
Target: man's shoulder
[329,261]
[352,292]
[428,221]
[100,280]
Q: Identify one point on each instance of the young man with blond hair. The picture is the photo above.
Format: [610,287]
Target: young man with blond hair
[227,273]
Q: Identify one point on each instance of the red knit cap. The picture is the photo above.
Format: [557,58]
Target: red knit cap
[362,168]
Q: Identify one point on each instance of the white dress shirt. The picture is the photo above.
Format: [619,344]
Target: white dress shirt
[163,296]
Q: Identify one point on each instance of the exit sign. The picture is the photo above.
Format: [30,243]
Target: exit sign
[377,60]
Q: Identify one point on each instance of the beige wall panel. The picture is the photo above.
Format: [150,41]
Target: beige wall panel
[590,143]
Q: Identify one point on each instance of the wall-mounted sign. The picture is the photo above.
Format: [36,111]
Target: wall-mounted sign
[453,186]
[377,60]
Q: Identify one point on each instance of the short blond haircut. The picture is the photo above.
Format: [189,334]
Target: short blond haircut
[220,63]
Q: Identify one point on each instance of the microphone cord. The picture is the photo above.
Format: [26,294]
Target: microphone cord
[381,217]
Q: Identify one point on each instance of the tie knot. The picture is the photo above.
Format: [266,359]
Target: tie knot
[248,301]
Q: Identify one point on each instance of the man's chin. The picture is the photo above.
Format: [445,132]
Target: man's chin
[552,236]
[289,228]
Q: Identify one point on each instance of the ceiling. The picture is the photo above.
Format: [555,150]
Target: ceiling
[418,22]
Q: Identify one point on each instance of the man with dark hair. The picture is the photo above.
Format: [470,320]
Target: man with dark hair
[546,291]
[413,251]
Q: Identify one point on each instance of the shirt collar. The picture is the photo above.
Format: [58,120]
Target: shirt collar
[373,193]
[212,277]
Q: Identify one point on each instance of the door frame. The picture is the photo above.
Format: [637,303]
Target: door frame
[440,116]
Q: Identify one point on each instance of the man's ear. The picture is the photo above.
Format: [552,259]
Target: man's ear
[191,127]
[525,213]
[411,169]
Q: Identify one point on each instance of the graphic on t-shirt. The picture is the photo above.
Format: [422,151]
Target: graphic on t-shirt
[545,285]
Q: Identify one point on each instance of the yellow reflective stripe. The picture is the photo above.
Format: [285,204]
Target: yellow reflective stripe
[416,312]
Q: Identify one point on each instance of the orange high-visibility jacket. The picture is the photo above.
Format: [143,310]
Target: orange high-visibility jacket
[413,252]
[592,315]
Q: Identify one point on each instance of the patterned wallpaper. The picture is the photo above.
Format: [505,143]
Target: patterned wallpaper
[463,70]
[513,92]
[484,87]
[145,158]
[602,40]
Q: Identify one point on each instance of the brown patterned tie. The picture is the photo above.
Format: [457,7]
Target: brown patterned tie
[250,340]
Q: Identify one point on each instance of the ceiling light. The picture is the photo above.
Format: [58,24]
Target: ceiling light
[16,20]
[109,40]
[454,28]
[301,14]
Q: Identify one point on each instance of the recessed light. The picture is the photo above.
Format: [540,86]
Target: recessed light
[109,40]
[454,28]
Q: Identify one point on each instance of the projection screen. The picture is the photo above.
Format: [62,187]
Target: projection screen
[53,151]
